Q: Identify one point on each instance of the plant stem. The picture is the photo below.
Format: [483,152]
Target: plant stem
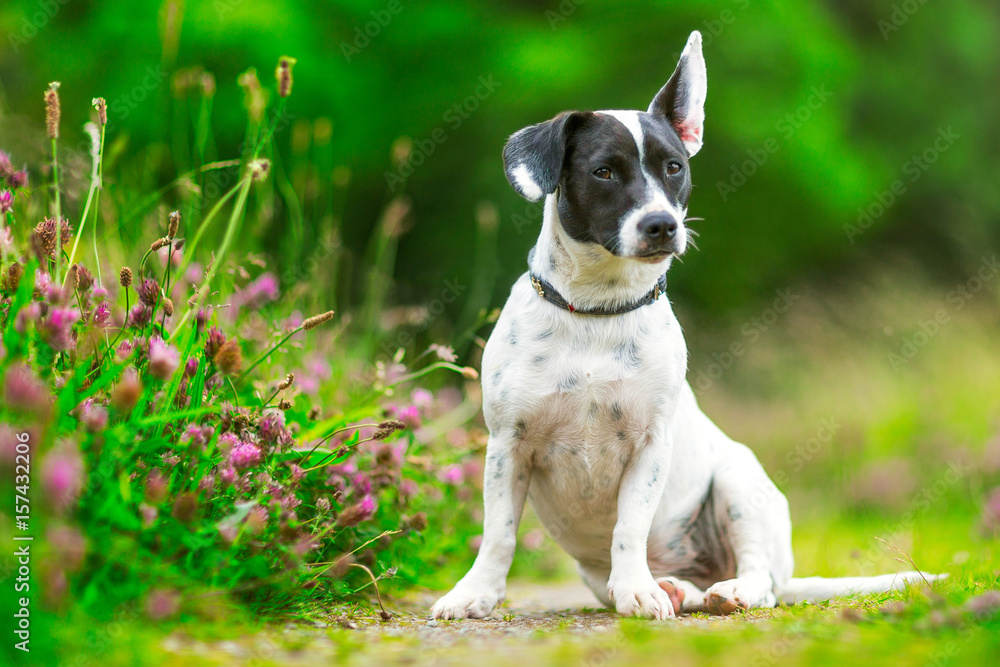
[55,178]
[266,355]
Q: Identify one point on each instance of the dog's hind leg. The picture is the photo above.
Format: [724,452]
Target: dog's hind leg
[760,532]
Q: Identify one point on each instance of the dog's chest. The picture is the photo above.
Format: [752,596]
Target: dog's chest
[576,396]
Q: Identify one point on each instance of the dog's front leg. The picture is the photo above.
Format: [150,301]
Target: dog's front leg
[505,487]
[631,586]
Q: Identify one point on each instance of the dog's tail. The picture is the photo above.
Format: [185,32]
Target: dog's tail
[816,589]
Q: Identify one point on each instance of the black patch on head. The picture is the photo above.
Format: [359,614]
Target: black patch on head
[540,149]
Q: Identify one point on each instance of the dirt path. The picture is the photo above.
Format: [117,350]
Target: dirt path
[518,633]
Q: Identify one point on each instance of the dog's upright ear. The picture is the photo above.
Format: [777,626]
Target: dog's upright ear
[682,99]
[533,157]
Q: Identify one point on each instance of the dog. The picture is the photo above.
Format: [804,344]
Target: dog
[584,390]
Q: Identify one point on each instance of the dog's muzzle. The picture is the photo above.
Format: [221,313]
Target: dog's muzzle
[658,235]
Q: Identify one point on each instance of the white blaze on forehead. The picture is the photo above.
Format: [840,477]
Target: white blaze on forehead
[529,188]
[630,119]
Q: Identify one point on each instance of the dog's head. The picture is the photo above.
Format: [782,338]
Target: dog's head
[622,176]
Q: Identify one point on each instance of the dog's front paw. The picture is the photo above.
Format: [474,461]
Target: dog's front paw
[467,602]
[644,598]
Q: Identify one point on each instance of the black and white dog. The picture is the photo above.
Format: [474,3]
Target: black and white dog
[584,388]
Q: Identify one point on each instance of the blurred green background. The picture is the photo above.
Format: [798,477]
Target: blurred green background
[890,76]
[850,161]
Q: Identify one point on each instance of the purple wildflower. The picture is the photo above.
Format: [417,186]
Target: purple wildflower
[361,484]
[422,398]
[26,316]
[453,475]
[62,475]
[18,179]
[262,290]
[272,428]
[409,415]
[227,441]
[360,511]
[148,514]
[215,340]
[163,359]
[244,455]
[69,544]
[162,604]
[24,391]
[57,328]
[124,351]
[102,314]
[140,316]
[93,416]
[227,477]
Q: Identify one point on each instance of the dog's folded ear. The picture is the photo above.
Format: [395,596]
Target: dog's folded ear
[682,99]
[533,157]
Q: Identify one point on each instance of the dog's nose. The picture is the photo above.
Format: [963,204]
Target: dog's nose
[657,227]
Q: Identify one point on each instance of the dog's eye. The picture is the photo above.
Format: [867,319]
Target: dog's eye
[674,168]
[603,173]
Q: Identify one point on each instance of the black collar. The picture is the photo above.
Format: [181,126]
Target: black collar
[552,295]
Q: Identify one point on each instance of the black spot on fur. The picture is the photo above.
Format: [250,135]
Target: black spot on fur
[713,558]
[627,354]
[568,382]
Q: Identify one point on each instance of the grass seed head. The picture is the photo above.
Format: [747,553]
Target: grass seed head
[284,75]
[102,110]
[52,110]
[317,320]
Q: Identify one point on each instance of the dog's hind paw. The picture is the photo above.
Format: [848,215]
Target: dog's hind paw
[466,603]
